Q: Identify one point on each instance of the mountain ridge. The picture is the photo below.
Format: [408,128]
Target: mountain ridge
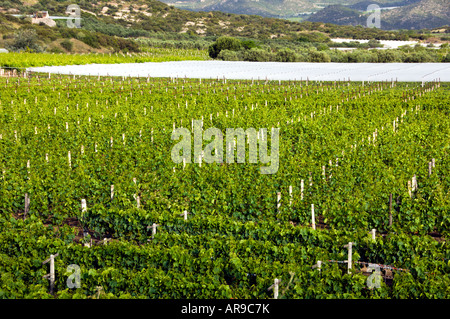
[423,14]
[271,8]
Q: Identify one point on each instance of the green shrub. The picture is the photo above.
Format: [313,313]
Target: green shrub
[446,58]
[25,40]
[318,56]
[258,55]
[66,44]
[286,55]
[361,56]
[389,56]
[419,57]
[223,43]
[337,56]
[322,47]
[313,37]
[228,55]
[248,44]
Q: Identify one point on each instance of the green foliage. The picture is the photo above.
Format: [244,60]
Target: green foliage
[228,55]
[235,240]
[25,40]
[419,57]
[286,55]
[24,59]
[258,55]
[66,44]
[248,44]
[313,37]
[223,43]
[446,58]
[318,56]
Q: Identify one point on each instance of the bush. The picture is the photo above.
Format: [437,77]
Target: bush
[66,44]
[248,44]
[228,55]
[258,55]
[419,57]
[337,56]
[313,37]
[286,55]
[318,56]
[359,56]
[55,50]
[223,43]
[25,40]
[322,47]
[446,58]
[372,43]
[389,56]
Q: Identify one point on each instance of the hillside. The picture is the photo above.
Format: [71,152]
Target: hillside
[154,16]
[339,14]
[266,8]
[139,18]
[113,26]
[424,14]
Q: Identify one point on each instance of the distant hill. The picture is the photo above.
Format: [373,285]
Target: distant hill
[266,8]
[135,18]
[339,14]
[138,17]
[362,5]
[107,25]
[424,14]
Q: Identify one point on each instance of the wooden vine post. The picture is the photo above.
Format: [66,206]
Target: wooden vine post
[27,205]
[51,275]
[83,205]
[302,186]
[185,213]
[275,288]
[136,196]
[349,258]
[278,201]
[414,183]
[313,218]
[290,195]
[153,227]
[318,265]
[138,201]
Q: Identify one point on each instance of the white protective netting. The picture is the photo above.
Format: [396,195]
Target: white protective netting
[408,72]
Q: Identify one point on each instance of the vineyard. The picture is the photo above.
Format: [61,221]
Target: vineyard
[23,59]
[87,179]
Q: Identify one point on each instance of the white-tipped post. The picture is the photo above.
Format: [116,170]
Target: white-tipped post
[349,258]
[290,195]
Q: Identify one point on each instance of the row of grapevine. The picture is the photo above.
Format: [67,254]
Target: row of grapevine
[348,150]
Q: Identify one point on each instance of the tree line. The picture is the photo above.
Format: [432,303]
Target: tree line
[233,49]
